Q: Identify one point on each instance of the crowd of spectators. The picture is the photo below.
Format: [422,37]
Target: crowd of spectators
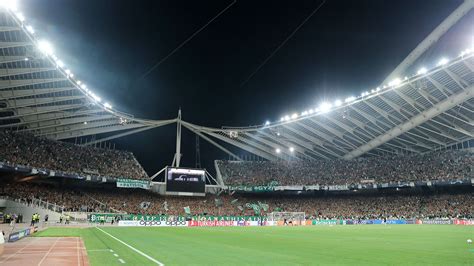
[446,165]
[138,201]
[28,150]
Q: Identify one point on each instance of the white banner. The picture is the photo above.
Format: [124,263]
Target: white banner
[133,183]
[153,223]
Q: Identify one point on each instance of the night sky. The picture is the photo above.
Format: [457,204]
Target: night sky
[347,47]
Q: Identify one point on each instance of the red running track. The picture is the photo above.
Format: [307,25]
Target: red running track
[45,251]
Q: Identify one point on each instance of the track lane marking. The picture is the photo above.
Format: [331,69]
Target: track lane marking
[49,251]
[132,248]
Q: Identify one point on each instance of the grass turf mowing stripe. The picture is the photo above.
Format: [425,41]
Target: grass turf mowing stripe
[132,248]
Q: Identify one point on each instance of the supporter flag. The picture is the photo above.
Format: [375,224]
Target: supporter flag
[165,205]
[263,206]
[273,183]
[254,207]
[240,208]
[234,201]
[218,202]
[145,204]
[187,210]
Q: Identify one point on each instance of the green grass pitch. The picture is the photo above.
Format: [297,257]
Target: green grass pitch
[309,245]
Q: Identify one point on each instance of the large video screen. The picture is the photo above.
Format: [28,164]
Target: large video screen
[185,180]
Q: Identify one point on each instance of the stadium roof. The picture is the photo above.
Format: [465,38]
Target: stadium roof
[432,109]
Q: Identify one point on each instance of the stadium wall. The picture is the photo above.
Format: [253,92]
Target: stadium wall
[27,211]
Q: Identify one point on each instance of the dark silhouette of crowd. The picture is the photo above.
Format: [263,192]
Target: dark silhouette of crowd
[446,165]
[348,206]
[28,150]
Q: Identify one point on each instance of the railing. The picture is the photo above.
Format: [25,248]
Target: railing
[37,203]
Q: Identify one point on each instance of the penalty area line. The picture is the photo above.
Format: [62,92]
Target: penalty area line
[132,248]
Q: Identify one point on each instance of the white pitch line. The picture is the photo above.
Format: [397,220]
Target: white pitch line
[132,248]
[122,261]
[97,250]
[115,255]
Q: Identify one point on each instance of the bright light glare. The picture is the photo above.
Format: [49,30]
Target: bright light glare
[20,16]
[267,123]
[338,103]
[78,82]
[60,63]
[443,61]
[83,86]
[9,4]
[45,47]
[282,119]
[310,111]
[287,117]
[107,105]
[277,150]
[350,99]
[30,29]
[422,71]
[325,106]
[292,149]
[67,71]
[294,116]
[395,82]
[304,113]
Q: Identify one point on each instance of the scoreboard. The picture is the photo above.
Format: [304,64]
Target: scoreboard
[185,180]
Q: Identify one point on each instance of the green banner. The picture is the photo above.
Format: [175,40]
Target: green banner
[266,188]
[133,183]
[316,222]
[96,217]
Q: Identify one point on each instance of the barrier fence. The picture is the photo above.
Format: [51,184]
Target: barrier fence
[264,222]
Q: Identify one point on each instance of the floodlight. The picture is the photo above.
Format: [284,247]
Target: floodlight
[287,117]
[442,61]
[267,123]
[377,89]
[67,71]
[304,113]
[310,111]
[107,105]
[26,59]
[422,71]
[30,29]
[97,98]
[394,82]
[83,86]
[292,149]
[45,47]
[9,4]
[325,106]
[466,52]
[78,82]
[294,116]
[282,119]
[85,122]
[349,99]
[338,103]
[20,16]
[277,150]
[60,63]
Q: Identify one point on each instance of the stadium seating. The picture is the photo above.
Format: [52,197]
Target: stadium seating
[28,150]
[364,206]
[447,165]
